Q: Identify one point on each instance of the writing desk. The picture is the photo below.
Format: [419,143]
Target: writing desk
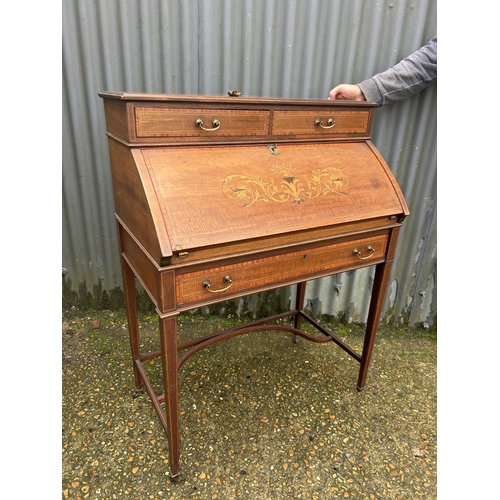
[217,197]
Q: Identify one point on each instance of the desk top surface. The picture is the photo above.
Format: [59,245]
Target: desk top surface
[226,99]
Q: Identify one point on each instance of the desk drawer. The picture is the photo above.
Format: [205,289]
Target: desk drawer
[321,123]
[294,266]
[204,124]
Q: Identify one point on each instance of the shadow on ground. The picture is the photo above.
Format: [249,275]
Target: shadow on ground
[262,417]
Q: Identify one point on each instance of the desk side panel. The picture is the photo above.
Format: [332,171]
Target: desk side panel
[117,120]
[143,268]
[388,172]
[131,202]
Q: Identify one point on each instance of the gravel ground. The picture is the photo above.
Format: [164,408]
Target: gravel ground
[262,417]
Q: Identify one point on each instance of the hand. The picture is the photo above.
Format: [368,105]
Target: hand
[347,92]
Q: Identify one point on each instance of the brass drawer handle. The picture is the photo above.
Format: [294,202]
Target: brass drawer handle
[357,253]
[215,125]
[227,279]
[319,123]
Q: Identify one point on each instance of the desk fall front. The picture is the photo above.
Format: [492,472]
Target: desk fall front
[217,197]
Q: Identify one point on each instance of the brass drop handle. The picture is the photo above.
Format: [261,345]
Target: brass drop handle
[215,125]
[319,123]
[357,253]
[227,279]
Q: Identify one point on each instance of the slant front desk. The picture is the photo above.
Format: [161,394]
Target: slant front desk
[217,197]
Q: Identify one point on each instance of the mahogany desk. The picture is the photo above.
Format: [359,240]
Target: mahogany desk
[217,197]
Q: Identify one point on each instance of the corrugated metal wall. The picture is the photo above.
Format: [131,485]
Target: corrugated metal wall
[278,48]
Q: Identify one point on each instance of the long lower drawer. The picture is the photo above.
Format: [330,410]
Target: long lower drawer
[249,275]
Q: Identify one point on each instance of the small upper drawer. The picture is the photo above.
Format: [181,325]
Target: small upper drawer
[334,123]
[200,124]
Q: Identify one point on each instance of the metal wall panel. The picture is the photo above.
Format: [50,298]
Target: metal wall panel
[277,48]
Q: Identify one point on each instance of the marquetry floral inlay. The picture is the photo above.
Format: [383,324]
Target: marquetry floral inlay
[284,186]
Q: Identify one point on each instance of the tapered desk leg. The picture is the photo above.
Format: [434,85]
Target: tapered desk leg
[133,323]
[382,273]
[169,359]
[299,302]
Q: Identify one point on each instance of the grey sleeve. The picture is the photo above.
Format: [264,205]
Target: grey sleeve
[406,78]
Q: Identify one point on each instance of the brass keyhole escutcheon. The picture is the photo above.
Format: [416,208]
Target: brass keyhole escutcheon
[273,148]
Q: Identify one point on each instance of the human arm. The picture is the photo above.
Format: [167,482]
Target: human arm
[409,76]
[347,92]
